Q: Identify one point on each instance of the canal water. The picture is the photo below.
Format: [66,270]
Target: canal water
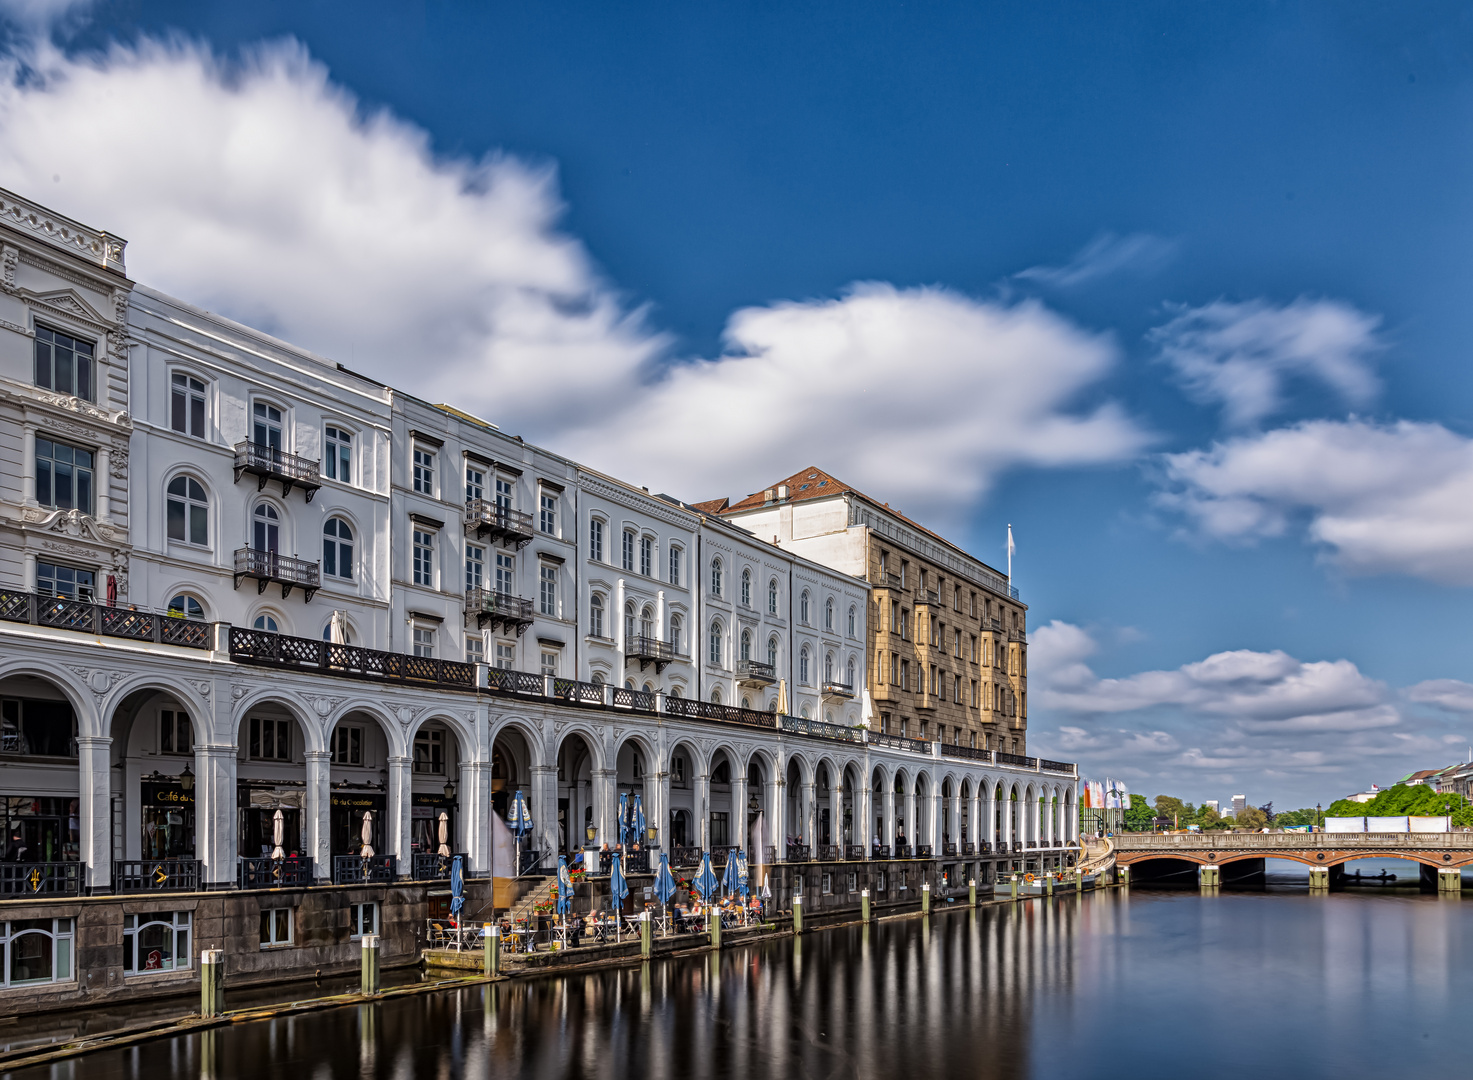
[1119,983]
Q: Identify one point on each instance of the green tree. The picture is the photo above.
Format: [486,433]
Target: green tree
[1138,817]
[1414,800]
[1288,818]
[1251,817]
[1169,806]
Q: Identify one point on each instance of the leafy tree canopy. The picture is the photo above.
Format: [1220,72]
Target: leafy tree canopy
[1414,800]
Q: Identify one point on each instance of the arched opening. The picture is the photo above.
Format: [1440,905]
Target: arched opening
[39,772]
[796,811]
[271,775]
[725,814]
[823,790]
[964,814]
[632,765]
[435,788]
[358,782]
[923,813]
[757,834]
[849,821]
[948,825]
[903,830]
[878,801]
[578,824]
[684,825]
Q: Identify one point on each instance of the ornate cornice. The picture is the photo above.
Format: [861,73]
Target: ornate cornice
[91,244]
[645,504]
[72,523]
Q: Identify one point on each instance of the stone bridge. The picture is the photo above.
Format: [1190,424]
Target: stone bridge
[1245,852]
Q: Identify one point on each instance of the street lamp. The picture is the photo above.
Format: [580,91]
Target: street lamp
[1319,817]
[186,779]
[449,789]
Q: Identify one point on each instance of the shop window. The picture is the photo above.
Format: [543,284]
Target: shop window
[347,745]
[40,829]
[271,739]
[38,727]
[175,732]
[156,941]
[429,752]
[362,919]
[276,927]
[37,951]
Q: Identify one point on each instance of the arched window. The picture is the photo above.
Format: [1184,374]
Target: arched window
[597,678]
[772,597]
[628,684]
[337,548]
[828,716]
[716,696]
[187,606]
[647,622]
[715,577]
[852,621]
[850,673]
[629,623]
[828,667]
[803,666]
[807,711]
[266,529]
[648,689]
[714,655]
[746,645]
[347,633]
[803,608]
[772,652]
[828,614]
[596,616]
[677,633]
[746,588]
[746,702]
[188,511]
[267,623]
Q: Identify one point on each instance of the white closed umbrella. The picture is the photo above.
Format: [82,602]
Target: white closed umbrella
[337,628]
[366,834]
[278,834]
[444,834]
[782,697]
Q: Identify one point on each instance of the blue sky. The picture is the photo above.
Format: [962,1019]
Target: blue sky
[1177,289]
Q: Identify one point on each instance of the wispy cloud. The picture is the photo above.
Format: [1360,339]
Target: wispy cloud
[1106,254]
[1243,356]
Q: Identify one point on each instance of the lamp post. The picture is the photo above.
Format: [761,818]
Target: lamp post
[186,779]
[1319,817]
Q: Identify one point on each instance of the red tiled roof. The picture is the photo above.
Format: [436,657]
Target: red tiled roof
[712,506]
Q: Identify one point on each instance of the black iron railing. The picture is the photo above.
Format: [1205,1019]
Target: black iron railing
[269,463]
[486,518]
[38,609]
[828,852]
[1055,766]
[362,870]
[42,878]
[1030,843]
[882,851]
[971,753]
[268,873]
[948,849]
[838,689]
[924,851]
[898,742]
[969,849]
[429,866]
[637,862]
[854,852]
[350,661]
[902,851]
[756,671]
[726,714]
[1016,759]
[800,725]
[267,568]
[686,855]
[649,650]
[531,861]
[799,853]
[156,875]
[499,609]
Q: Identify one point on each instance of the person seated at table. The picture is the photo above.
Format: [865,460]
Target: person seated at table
[575,931]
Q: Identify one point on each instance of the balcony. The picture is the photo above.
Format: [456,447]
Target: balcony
[928,596]
[41,879]
[884,579]
[499,609]
[268,463]
[755,673]
[362,869]
[267,873]
[156,875]
[490,520]
[17,605]
[837,691]
[268,567]
[649,650]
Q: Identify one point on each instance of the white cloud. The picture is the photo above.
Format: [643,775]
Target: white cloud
[264,191]
[1242,356]
[1454,695]
[1393,498]
[1104,255]
[40,14]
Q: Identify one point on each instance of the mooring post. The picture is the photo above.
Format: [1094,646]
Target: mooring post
[716,929]
[1013,886]
[1449,879]
[797,913]
[1048,883]
[925,898]
[972,892]
[370,964]
[864,905]
[211,982]
[646,935]
[492,940]
[1122,875]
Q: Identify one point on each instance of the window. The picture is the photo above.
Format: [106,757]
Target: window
[156,941]
[475,649]
[629,622]
[828,667]
[506,655]
[266,425]
[827,884]
[828,615]
[853,622]
[746,588]
[271,739]
[63,363]
[715,577]
[362,920]
[677,633]
[429,752]
[424,471]
[974,693]
[475,484]
[803,665]
[37,950]
[646,556]
[548,591]
[185,606]
[849,674]
[506,573]
[63,476]
[596,540]
[628,550]
[424,641]
[956,643]
[187,406]
[176,734]
[746,645]
[266,529]
[276,927]
[547,520]
[475,567]
[347,745]
[188,511]
[68,582]
[772,652]
[803,608]
[503,494]
[266,623]
[772,597]
[647,622]
[424,558]
[675,566]
[549,662]
[677,771]
[337,457]
[714,652]
[337,548]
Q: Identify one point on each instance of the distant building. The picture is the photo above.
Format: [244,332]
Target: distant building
[1365,796]
[1240,803]
[1421,776]
[1212,804]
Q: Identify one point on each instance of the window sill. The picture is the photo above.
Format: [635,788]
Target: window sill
[279,947]
[175,975]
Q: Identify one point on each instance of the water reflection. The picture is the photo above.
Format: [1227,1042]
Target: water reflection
[1135,984]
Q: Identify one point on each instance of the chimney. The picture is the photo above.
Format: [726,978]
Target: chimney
[782,493]
[767,496]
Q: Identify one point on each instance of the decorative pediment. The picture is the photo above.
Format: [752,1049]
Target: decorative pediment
[70,301]
[71,523]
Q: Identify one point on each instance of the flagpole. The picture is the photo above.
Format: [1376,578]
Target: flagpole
[1010,559]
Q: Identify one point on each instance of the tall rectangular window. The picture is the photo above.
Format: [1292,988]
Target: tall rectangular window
[506,573]
[506,655]
[347,745]
[337,456]
[674,566]
[187,405]
[175,732]
[475,567]
[549,662]
[503,494]
[548,520]
[626,552]
[266,425]
[271,739]
[424,471]
[475,649]
[362,920]
[424,558]
[424,641]
[69,582]
[63,363]
[646,556]
[596,540]
[549,590]
[64,476]
[475,484]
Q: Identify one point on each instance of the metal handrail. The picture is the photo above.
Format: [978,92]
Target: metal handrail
[42,878]
[362,869]
[156,875]
[487,515]
[269,873]
[128,622]
[833,688]
[758,670]
[650,648]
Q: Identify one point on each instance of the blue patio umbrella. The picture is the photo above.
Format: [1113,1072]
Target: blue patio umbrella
[729,875]
[618,887]
[623,817]
[564,887]
[744,880]
[706,883]
[457,886]
[664,881]
[637,814]
[520,821]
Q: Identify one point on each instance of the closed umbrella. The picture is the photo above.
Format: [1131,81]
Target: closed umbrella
[743,876]
[278,834]
[639,822]
[664,880]
[564,887]
[729,875]
[520,824]
[366,834]
[618,887]
[457,886]
[782,697]
[337,629]
[444,834]
[706,883]
[623,817]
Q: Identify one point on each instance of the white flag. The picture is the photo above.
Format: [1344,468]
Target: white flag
[1011,546]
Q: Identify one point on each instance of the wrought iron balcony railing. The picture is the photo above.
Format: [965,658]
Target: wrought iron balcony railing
[156,875]
[649,650]
[840,690]
[1016,759]
[486,519]
[267,567]
[755,673]
[499,609]
[268,873]
[361,870]
[268,463]
[431,866]
[41,878]
[38,609]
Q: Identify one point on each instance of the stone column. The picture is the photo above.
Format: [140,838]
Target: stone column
[94,808]
[701,792]
[739,812]
[317,813]
[935,825]
[101,484]
[398,833]
[215,817]
[956,819]
[542,796]
[606,805]
[836,815]
[777,810]
[473,814]
[809,811]
[28,474]
[864,818]
[908,816]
